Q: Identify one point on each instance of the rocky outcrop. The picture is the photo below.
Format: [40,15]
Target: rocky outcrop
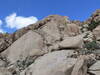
[52,46]
[59,63]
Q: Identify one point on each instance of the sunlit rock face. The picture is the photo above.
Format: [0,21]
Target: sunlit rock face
[52,46]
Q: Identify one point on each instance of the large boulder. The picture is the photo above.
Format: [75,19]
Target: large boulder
[55,63]
[72,42]
[95,69]
[50,32]
[30,44]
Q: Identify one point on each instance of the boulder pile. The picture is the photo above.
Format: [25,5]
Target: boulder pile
[53,46]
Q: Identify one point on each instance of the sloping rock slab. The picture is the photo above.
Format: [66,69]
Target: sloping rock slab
[55,63]
[30,44]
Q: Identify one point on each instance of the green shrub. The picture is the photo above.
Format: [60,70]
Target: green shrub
[22,64]
[91,45]
[93,25]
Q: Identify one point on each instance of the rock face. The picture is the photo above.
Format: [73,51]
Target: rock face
[53,46]
[50,32]
[59,63]
[30,44]
[95,69]
[55,63]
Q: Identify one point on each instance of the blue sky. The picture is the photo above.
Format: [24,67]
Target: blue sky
[27,10]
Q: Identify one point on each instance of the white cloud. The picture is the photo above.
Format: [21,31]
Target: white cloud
[14,21]
[1,22]
[1,30]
